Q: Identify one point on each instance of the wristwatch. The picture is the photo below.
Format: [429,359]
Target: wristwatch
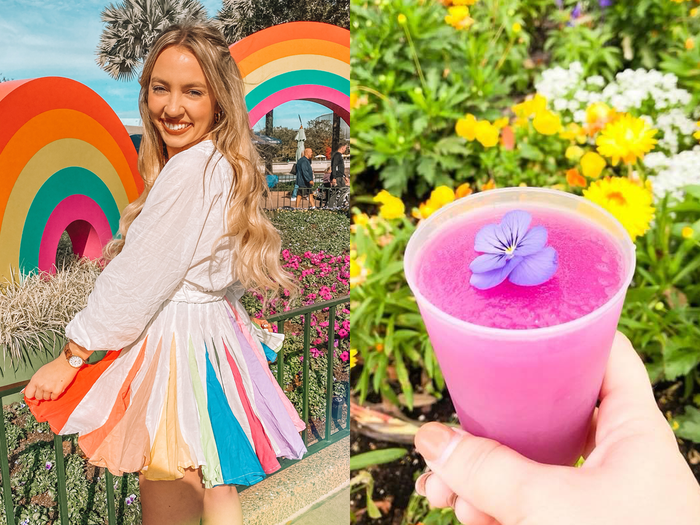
[73,360]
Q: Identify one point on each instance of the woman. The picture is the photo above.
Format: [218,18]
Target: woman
[188,401]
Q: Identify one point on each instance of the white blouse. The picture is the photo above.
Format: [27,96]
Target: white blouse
[167,256]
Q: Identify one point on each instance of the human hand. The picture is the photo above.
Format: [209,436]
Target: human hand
[50,381]
[262,323]
[633,473]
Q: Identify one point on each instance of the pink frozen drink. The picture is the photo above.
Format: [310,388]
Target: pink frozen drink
[523,362]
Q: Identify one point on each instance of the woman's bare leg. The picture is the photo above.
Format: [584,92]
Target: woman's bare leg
[176,502]
[222,506]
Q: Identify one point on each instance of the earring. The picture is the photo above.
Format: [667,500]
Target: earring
[217,116]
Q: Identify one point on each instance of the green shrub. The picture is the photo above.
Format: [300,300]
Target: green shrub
[313,231]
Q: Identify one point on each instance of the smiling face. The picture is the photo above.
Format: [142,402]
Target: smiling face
[180,100]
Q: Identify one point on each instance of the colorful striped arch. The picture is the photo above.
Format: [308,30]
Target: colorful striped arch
[67,164]
[295,61]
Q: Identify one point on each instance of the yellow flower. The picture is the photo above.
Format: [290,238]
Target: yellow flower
[530,107]
[392,207]
[675,425]
[441,195]
[458,17]
[501,122]
[592,164]
[628,202]
[486,133]
[353,357]
[460,2]
[547,123]
[599,112]
[516,27]
[696,135]
[425,210]
[361,219]
[689,44]
[694,11]
[521,122]
[572,131]
[463,190]
[358,272]
[401,18]
[490,185]
[573,153]
[627,138]
[466,127]
[687,232]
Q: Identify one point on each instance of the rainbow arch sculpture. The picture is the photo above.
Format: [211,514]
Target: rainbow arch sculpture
[66,164]
[295,61]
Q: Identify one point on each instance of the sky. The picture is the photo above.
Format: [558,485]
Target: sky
[40,38]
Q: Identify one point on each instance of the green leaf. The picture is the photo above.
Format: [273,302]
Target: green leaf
[530,152]
[376,457]
[680,357]
[689,424]
[693,189]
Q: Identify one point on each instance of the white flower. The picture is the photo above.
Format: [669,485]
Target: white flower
[560,104]
[596,80]
[673,173]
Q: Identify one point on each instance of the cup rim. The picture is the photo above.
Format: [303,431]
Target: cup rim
[511,333]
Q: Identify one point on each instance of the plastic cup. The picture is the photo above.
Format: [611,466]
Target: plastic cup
[533,390]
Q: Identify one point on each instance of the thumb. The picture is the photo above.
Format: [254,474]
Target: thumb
[492,477]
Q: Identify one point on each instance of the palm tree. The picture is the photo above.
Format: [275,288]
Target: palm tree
[133,26]
[239,18]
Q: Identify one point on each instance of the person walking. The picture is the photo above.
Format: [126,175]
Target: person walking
[305,178]
[183,395]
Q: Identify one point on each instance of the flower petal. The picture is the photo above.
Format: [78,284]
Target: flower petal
[486,280]
[536,268]
[487,240]
[487,262]
[514,225]
[534,240]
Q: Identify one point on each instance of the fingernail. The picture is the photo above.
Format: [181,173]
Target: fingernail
[435,442]
[420,483]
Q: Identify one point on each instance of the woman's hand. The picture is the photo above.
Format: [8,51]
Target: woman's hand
[262,323]
[51,380]
[633,471]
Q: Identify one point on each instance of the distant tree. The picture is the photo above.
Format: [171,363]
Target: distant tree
[287,150]
[5,79]
[132,28]
[239,18]
[319,134]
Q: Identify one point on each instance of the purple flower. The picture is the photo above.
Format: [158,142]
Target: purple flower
[576,12]
[604,4]
[48,465]
[513,252]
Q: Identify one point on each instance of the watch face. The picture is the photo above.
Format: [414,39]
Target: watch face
[75,361]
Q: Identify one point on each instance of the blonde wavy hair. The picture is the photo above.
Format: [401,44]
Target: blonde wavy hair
[257,262]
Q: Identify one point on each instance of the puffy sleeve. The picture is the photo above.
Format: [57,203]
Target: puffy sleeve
[159,249]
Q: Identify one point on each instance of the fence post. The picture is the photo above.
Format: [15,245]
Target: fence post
[329,372]
[61,473]
[4,460]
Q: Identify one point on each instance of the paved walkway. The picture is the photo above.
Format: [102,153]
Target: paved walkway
[333,509]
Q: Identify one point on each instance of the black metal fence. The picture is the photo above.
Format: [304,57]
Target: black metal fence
[330,437]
